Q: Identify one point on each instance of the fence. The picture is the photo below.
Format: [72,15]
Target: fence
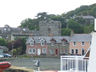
[75,63]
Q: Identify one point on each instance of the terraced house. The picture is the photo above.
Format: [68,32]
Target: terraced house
[50,46]
[77,44]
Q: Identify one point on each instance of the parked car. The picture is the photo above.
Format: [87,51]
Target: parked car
[1,56]
[7,55]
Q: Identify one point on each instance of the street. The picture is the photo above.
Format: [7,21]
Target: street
[45,63]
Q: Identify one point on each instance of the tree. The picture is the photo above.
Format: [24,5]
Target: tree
[42,16]
[3,42]
[19,43]
[32,24]
[76,27]
[65,32]
[89,28]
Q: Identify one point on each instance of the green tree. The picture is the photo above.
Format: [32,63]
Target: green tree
[89,28]
[32,24]
[3,42]
[42,15]
[76,27]
[65,32]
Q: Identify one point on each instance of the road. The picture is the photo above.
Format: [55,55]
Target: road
[45,63]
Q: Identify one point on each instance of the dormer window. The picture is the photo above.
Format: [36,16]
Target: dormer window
[5,29]
[32,42]
[64,42]
[53,41]
[42,42]
[24,29]
[52,44]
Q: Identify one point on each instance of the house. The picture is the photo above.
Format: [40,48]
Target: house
[88,19]
[49,46]
[76,44]
[10,33]
[79,43]
[3,49]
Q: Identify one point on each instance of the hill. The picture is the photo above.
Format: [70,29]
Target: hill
[69,21]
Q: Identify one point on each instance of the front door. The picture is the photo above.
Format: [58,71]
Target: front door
[56,51]
[38,51]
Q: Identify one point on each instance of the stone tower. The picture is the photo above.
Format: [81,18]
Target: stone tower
[49,28]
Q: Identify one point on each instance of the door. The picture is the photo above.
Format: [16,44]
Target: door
[56,51]
[38,51]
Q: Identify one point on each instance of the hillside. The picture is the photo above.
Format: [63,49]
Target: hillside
[83,10]
[69,23]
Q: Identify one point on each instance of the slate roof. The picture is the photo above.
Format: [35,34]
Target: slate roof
[88,17]
[73,38]
[37,39]
[81,37]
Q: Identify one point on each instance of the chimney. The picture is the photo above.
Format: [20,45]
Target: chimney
[95,25]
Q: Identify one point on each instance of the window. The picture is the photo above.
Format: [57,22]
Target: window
[5,29]
[52,44]
[76,50]
[43,50]
[63,43]
[51,51]
[32,42]
[32,51]
[74,43]
[83,51]
[83,43]
[72,51]
[42,42]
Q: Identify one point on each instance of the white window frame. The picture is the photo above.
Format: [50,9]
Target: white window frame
[52,43]
[44,51]
[42,42]
[83,43]
[30,51]
[74,43]
[32,42]
[33,51]
[63,43]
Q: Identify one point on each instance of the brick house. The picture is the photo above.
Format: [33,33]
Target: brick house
[79,43]
[50,46]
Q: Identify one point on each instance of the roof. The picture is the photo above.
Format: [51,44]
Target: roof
[59,39]
[3,47]
[81,37]
[48,39]
[88,17]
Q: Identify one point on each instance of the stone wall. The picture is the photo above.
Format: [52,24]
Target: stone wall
[50,28]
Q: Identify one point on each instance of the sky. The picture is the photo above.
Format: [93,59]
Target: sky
[12,12]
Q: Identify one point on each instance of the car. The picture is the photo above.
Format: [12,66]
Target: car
[1,56]
[7,55]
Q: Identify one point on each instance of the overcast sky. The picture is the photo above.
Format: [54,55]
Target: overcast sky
[12,12]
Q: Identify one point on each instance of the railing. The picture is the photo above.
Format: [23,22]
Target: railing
[74,63]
